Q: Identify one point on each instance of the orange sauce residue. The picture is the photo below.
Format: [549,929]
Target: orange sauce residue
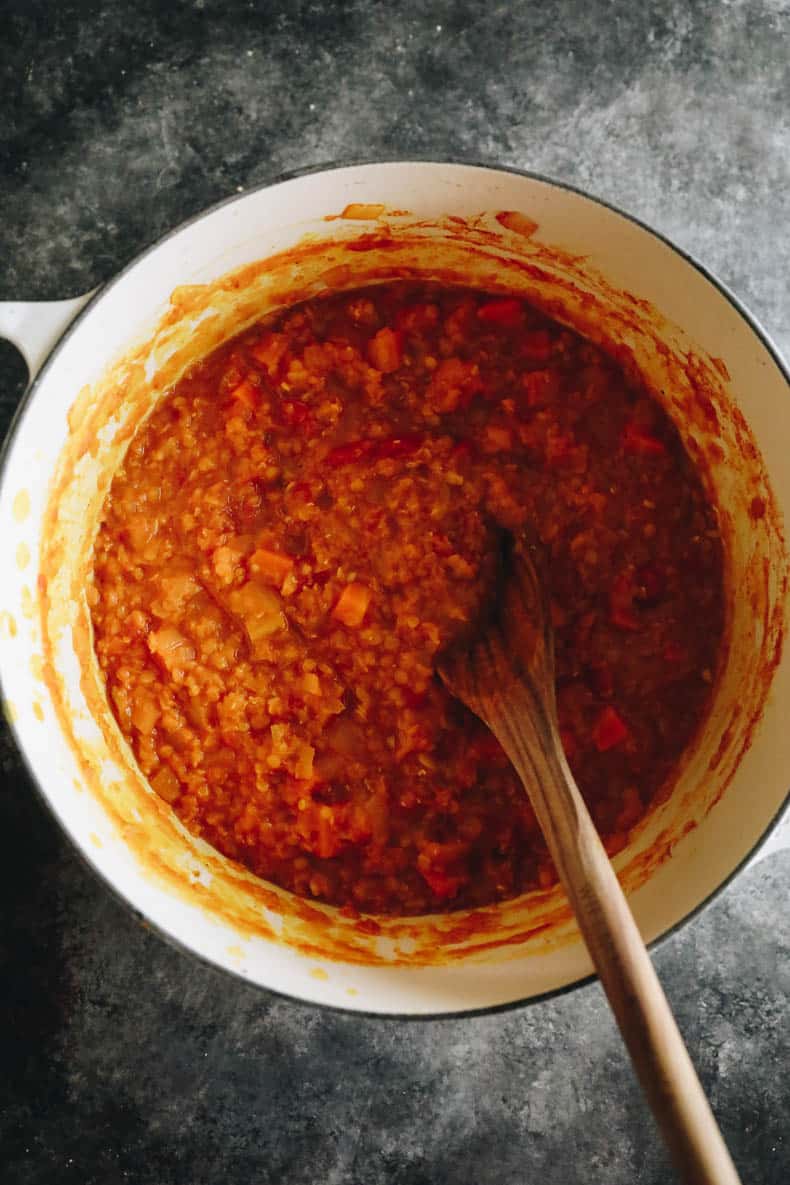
[8,626]
[26,598]
[21,506]
[520,224]
[363,211]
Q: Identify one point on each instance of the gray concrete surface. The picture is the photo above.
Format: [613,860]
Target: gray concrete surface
[121,1060]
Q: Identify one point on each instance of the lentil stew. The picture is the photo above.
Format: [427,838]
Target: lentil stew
[306,520]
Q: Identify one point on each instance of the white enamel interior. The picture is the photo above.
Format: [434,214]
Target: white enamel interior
[253,227]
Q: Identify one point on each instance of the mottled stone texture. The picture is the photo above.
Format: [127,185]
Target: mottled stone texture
[121,1059]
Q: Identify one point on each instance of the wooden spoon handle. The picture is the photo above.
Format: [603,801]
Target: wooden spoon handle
[637,999]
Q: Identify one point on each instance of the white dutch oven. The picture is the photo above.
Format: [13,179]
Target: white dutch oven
[99,364]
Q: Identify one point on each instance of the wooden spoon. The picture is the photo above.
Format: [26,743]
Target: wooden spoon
[504,672]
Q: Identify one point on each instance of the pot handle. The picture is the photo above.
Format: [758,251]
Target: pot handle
[777,841]
[34,326]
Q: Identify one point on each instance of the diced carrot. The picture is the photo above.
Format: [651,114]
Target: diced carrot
[146,711]
[271,565]
[171,647]
[270,351]
[609,730]
[303,765]
[246,395]
[497,439]
[352,605]
[384,350]
[639,443]
[507,312]
[453,384]
[166,784]
[259,609]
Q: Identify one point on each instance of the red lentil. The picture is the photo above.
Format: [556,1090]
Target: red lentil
[304,522]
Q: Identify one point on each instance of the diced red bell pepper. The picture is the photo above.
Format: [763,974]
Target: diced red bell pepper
[507,312]
[640,443]
[441,883]
[609,730]
[537,345]
[397,446]
[497,439]
[560,448]
[354,450]
[601,680]
[621,603]
[375,450]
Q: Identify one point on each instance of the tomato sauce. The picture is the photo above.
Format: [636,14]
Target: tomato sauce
[302,525]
